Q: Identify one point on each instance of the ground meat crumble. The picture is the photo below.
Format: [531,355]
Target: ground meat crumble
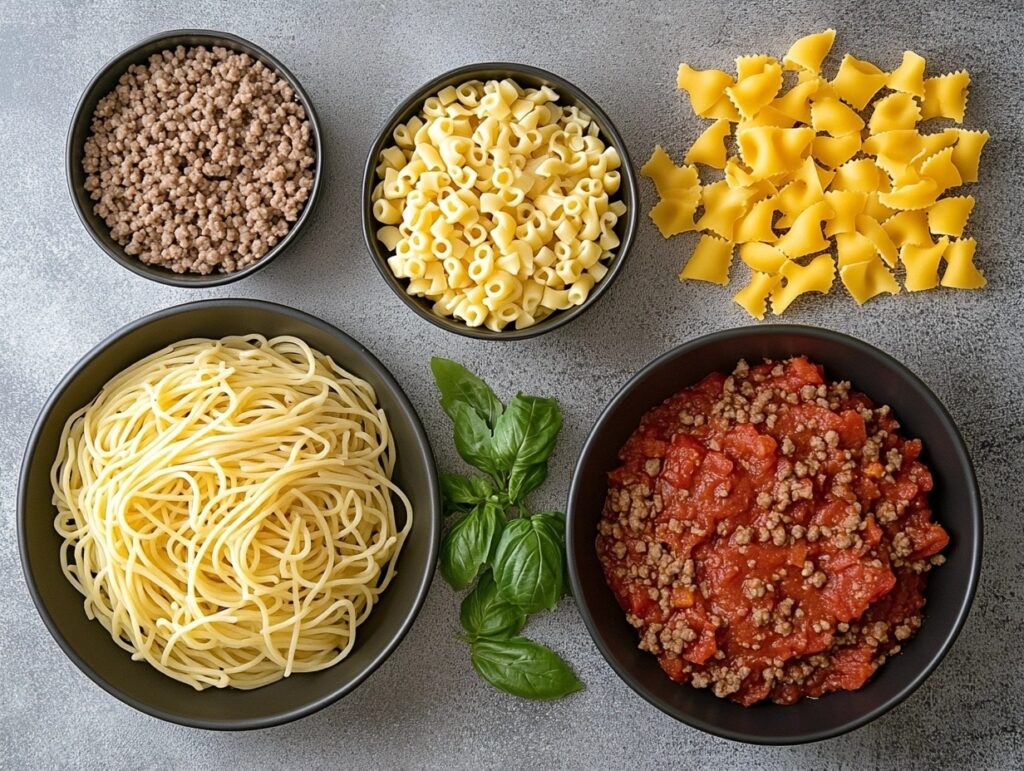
[768,534]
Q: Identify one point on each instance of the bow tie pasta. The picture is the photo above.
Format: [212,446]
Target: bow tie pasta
[499,204]
[824,178]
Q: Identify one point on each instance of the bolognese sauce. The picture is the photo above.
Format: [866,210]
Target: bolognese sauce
[768,534]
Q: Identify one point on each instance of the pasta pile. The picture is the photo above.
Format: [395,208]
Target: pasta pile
[226,509]
[496,202]
[824,167]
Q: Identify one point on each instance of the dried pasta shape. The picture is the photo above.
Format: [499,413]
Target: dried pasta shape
[705,87]
[816,276]
[767,116]
[768,150]
[723,206]
[757,89]
[831,116]
[961,272]
[948,216]
[805,237]
[752,64]
[723,109]
[796,102]
[709,148]
[967,153]
[810,51]
[756,224]
[908,78]
[674,214]
[861,175]
[753,298]
[922,264]
[738,175]
[872,229]
[852,248]
[795,198]
[894,112]
[868,279]
[761,257]
[847,205]
[710,261]
[908,227]
[945,96]
[941,169]
[667,177]
[835,151]
[857,81]
[873,208]
[932,143]
[916,195]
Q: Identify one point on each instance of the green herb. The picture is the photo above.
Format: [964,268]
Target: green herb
[517,559]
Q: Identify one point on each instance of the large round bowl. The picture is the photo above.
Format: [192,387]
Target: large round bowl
[90,646]
[531,77]
[955,502]
[81,126]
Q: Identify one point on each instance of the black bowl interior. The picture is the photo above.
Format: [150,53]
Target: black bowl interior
[81,124]
[91,647]
[954,499]
[527,76]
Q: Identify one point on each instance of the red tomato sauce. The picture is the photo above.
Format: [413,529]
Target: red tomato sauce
[768,534]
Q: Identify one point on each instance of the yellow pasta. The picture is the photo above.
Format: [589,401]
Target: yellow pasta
[810,51]
[961,272]
[922,264]
[948,216]
[857,81]
[753,298]
[816,276]
[832,172]
[710,261]
[908,78]
[709,148]
[945,96]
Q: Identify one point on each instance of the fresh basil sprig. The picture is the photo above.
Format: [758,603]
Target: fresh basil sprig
[517,559]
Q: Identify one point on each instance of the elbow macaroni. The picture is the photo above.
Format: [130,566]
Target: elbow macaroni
[825,178]
[499,204]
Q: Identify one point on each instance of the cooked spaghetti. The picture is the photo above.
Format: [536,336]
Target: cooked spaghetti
[227,509]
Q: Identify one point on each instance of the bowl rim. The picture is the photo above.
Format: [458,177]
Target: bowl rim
[164,275]
[975,515]
[431,518]
[379,255]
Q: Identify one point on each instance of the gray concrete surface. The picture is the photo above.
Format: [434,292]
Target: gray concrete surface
[425,708]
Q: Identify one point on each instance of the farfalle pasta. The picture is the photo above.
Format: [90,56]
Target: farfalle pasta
[499,204]
[823,177]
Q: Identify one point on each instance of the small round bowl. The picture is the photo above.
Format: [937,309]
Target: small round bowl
[90,646]
[105,81]
[527,76]
[954,499]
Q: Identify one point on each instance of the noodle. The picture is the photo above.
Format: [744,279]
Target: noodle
[226,509]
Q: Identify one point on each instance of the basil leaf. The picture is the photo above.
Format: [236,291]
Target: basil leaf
[460,386]
[468,545]
[460,492]
[473,438]
[555,520]
[484,614]
[524,668]
[525,433]
[528,564]
[525,479]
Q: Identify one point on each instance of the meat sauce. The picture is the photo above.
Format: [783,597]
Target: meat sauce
[768,534]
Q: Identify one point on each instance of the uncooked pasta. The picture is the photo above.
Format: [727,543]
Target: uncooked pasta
[227,509]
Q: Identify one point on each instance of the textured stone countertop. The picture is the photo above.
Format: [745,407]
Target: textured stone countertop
[425,707]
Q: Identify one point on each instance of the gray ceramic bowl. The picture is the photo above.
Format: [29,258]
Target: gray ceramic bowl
[955,502]
[527,76]
[91,648]
[103,83]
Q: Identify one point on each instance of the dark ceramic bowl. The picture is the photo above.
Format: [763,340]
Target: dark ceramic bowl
[527,76]
[105,81]
[90,646]
[955,502]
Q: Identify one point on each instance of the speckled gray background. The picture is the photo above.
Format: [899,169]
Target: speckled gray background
[60,295]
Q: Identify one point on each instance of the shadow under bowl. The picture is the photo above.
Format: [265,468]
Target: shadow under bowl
[90,646]
[81,127]
[955,502]
[529,77]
